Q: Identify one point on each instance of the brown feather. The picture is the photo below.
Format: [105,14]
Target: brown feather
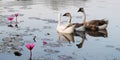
[97,22]
[77,24]
[91,27]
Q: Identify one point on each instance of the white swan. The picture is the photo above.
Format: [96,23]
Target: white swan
[101,24]
[67,28]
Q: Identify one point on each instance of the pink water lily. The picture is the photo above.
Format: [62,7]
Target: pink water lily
[16,14]
[44,41]
[30,46]
[10,18]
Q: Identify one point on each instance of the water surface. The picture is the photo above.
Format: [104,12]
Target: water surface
[39,18]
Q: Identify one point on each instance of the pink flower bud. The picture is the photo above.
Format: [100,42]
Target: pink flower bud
[44,41]
[10,18]
[30,46]
[16,14]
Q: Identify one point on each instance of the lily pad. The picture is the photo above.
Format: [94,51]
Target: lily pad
[43,58]
[36,18]
[110,46]
[17,53]
[65,57]
[51,51]
[118,49]
[54,44]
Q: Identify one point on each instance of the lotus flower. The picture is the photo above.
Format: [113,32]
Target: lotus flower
[16,14]
[10,18]
[44,41]
[30,46]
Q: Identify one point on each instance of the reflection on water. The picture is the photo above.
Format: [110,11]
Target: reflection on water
[100,33]
[39,17]
[56,4]
[70,37]
[66,37]
[11,44]
[83,38]
[53,4]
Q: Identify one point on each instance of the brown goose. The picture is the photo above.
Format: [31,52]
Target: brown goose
[101,24]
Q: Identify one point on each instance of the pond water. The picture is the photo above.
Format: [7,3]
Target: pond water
[37,22]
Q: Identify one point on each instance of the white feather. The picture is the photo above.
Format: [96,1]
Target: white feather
[64,28]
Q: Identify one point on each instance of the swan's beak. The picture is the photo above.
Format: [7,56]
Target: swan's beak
[65,14]
[81,10]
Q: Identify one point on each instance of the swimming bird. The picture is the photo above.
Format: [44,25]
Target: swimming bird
[66,28]
[80,26]
[69,18]
[101,24]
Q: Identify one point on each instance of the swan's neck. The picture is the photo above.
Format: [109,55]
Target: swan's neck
[59,19]
[69,19]
[83,17]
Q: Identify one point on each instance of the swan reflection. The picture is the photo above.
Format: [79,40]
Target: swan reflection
[83,35]
[100,33]
[66,37]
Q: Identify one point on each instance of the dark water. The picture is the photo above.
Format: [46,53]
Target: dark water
[39,18]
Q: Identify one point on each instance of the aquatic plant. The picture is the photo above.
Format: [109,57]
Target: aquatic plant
[16,15]
[44,41]
[34,38]
[10,19]
[17,53]
[30,47]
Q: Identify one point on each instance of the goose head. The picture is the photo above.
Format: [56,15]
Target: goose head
[68,15]
[81,10]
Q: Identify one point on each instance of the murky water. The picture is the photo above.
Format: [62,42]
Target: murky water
[39,18]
